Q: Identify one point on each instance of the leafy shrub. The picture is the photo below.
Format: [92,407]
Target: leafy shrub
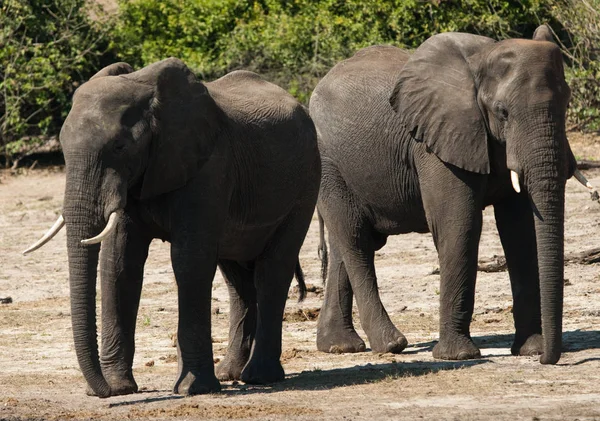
[47,47]
[582,52]
[294,43]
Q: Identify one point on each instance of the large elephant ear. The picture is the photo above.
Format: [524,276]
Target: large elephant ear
[436,100]
[114,69]
[185,120]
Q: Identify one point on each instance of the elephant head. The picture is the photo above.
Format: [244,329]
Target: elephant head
[130,136]
[459,93]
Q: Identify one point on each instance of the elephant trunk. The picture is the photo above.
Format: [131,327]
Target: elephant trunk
[548,204]
[84,220]
[545,176]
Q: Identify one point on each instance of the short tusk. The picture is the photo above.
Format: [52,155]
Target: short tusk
[514,178]
[581,178]
[60,222]
[110,226]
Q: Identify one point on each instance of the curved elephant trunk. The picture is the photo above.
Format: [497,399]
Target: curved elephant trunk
[82,222]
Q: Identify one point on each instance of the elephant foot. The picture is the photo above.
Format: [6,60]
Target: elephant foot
[229,369]
[456,348]
[263,371]
[339,341]
[118,386]
[336,336]
[197,383]
[532,345]
[388,340]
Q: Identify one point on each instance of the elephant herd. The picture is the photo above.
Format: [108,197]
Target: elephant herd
[229,172]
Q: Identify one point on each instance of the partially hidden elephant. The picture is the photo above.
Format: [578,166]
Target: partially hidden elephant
[422,142]
[228,172]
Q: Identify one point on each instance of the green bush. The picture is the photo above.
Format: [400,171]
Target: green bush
[294,43]
[581,18]
[47,47]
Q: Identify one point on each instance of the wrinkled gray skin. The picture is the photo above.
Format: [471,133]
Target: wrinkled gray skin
[227,172]
[422,143]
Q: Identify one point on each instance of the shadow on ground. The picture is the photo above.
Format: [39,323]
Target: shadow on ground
[576,340]
[360,374]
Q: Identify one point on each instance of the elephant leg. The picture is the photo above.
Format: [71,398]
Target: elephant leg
[452,200]
[335,330]
[381,332]
[514,220]
[194,264]
[242,319]
[273,273]
[121,270]
[351,238]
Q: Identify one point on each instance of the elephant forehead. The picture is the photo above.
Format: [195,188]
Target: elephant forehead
[111,95]
[108,106]
[524,53]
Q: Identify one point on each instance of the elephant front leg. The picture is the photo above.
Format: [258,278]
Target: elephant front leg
[122,262]
[452,199]
[194,266]
[242,319]
[335,330]
[458,269]
[514,220]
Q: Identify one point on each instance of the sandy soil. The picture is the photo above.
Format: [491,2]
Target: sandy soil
[40,379]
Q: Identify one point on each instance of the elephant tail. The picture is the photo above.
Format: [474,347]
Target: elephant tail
[322,250]
[301,284]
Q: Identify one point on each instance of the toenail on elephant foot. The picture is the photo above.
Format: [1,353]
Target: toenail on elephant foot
[263,372]
[228,370]
[346,348]
[458,349]
[341,342]
[197,383]
[533,345]
[395,342]
[397,346]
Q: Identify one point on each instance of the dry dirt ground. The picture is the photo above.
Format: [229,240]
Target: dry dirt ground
[40,379]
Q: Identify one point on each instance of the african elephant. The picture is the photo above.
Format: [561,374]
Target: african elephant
[227,172]
[422,142]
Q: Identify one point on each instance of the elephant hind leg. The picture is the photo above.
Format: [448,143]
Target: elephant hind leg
[335,330]
[242,319]
[352,236]
[273,273]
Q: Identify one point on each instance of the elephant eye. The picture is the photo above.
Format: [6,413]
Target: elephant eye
[500,111]
[119,147]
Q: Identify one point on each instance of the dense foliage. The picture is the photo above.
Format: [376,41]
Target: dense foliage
[48,47]
[293,43]
[582,52]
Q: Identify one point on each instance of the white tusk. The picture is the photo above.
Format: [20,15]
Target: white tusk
[110,226]
[514,178]
[60,222]
[581,178]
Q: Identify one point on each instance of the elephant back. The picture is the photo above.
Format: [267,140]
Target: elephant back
[371,73]
[250,100]
[273,147]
